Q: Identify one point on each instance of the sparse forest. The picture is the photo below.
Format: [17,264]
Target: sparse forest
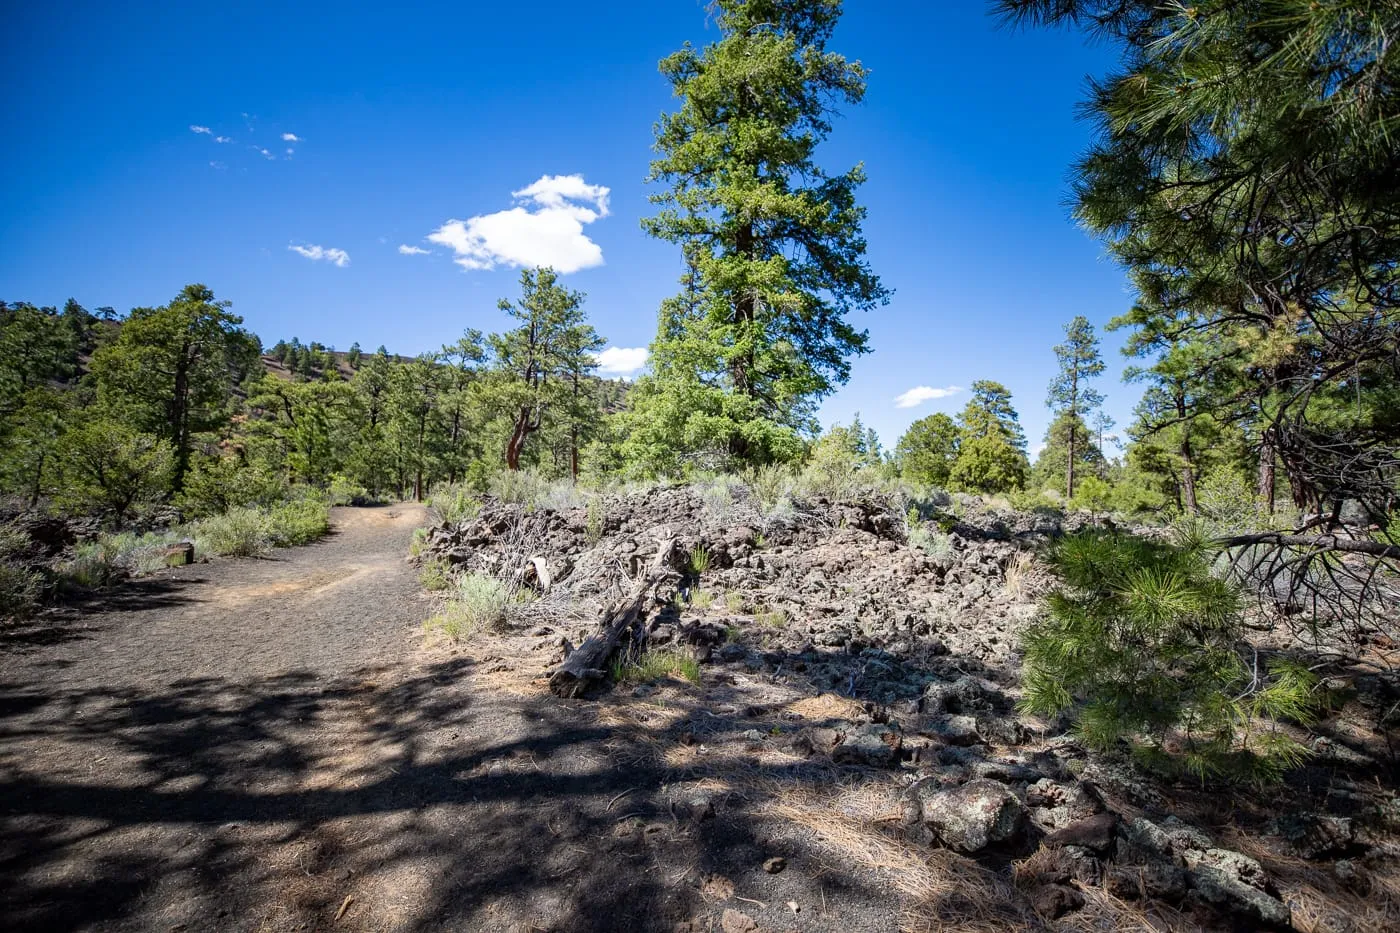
[1008,683]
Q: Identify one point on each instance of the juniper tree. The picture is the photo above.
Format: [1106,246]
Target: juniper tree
[927,451]
[773,245]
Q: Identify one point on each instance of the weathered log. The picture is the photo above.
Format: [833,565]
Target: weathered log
[588,664]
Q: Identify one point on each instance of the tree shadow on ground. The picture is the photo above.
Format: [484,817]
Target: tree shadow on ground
[430,798]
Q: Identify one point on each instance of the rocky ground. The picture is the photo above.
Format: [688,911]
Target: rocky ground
[857,702]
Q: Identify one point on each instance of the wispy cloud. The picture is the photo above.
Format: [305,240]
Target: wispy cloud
[412,250]
[544,229]
[263,152]
[336,257]
[920,394]
[290,150]
[223,139]
[218,165]
[622,361]
[290,138]
[194,128]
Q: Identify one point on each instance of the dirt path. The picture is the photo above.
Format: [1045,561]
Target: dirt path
[269,745]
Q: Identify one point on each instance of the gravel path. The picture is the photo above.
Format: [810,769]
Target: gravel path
[270,745]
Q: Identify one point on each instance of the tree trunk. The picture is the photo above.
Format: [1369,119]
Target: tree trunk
[588,664]
[1069,468]
[1267,454]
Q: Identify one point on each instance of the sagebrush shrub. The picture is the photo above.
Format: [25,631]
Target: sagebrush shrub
[298,522]
[1142,643]
[236,533]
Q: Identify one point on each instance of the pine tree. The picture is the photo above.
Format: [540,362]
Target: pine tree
[171,371]
[1071,396]
[772,243]
[991,444]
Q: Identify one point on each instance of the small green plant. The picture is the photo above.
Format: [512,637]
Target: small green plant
[20,589]
[655,664]
[934,543]
[596,521]
[760,541]
[1142,643]
[454,504]
[433,576]
[419,542]
[486,601]
[699,559]
[774,618]
[702,599]
[735,601]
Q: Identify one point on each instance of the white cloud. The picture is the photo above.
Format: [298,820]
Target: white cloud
[412,250]
[290,138]
[622,361]
[920,394]
[199,129]
[290,150]
[264,152]
[545,230]
[218,165]
[337,257]
[223,139]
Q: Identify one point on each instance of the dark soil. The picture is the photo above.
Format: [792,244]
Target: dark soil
[269,745]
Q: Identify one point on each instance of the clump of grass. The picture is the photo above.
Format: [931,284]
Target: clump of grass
[453,504]
[419,542]
[655,664]
[760,541]
[702,599]
[699,559]
[19,591]
[735,601]
[775,618]
[434,576]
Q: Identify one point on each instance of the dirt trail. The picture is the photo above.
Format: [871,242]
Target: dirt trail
[269,745]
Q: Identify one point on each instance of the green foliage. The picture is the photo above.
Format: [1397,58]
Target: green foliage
[933,542]
[927,451]
[297,522]
[702,599]
[734,601]
[699,559]
[20,589]
[108,466]
[240,532]
[480,603]
[773,618]
[216,484]
[654,664]
[170,371]
[1144,644]
[596,522]
[991,445]
[453,504]
[775,259]
[434,576]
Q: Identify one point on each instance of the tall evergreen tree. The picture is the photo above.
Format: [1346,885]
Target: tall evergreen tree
[1071,397]
[991,444]
[170,371]
[772,243]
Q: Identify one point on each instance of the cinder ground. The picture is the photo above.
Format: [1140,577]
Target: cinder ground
[270,745]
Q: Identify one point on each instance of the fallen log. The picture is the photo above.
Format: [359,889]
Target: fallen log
[588,663]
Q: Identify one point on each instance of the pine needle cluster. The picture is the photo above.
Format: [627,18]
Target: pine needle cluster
[1143,645]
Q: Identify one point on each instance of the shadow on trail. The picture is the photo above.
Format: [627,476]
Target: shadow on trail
[433,801]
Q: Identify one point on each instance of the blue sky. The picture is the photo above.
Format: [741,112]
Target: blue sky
[283,153]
